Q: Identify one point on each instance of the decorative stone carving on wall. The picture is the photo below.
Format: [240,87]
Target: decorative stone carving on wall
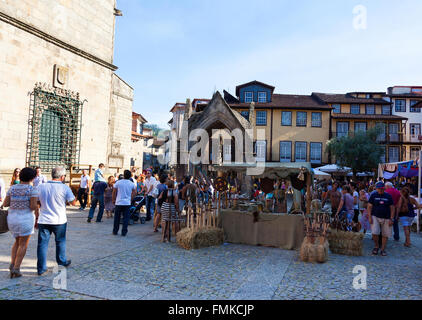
[115,148]
[60,76]
[115,160]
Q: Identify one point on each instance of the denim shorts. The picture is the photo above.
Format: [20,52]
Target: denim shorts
[406,221]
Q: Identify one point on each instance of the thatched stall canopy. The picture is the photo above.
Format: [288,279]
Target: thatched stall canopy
[294,171]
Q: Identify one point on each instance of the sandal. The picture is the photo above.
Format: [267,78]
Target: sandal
[15,273]
[383,253]
[375,251]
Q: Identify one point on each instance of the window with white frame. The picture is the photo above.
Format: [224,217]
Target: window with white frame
[393,132]
[227,152]
[400,105]
[317,119]
[261,118]
[415,129]
[370,109]
[360,126]
[301,119]
[262,97]
[394,154]
[342,129]
[286,118]
[337,108]
[285,151]
[300,151]
[412,103]
[248,97]
[316,152]
[261,150]
[414,153]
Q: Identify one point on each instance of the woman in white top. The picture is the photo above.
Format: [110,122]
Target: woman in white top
[22,200]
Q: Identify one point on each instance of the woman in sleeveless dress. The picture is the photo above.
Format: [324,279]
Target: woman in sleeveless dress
[406,213]
[108,197]
[22,201]
[169,210]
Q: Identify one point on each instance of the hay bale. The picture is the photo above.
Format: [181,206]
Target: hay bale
[314,252]
[346,243]
[202,238]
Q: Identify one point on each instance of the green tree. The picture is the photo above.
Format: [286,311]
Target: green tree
[155,129]
[360,151]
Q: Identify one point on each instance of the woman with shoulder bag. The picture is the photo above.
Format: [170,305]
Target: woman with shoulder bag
[169,209]
[22,201]
[407,213]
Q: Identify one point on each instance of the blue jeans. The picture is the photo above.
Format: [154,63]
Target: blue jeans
[44,233]
[150,207]
[118,211]
[396,230]
[95,200]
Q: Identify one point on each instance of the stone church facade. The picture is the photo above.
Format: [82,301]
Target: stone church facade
[61,102]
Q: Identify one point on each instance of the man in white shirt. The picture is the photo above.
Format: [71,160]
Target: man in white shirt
[123,193]
[39,179]
[2,191]
[53,197]
[83,191]
[150,183]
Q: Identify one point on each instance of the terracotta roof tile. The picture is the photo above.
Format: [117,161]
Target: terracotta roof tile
[347,98]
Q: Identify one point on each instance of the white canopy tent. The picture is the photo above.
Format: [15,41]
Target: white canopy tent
[321,175]
[333,168]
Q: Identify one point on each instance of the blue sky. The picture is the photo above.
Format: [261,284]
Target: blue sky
[171,50]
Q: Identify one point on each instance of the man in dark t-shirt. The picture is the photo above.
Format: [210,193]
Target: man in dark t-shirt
[381,213]
[98,197]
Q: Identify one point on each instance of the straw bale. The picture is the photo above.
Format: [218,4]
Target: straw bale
[202,238]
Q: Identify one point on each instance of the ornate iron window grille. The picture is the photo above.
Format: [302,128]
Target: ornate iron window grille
[54,128]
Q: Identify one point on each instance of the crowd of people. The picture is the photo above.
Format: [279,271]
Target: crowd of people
[378,206]
[35,202]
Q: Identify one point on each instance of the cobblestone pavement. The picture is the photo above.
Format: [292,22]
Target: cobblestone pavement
[139,266]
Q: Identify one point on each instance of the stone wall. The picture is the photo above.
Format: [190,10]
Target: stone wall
[120,126]
[25,60]
[69,21]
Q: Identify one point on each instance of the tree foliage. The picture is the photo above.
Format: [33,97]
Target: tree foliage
[359,151]
[155,129]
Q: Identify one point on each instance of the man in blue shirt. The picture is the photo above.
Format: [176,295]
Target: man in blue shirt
[98,188]
[381,213]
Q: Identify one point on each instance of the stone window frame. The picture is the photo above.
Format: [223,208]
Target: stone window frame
[297,143]
[319,123]
[291,119]
[257,118]
[319,144]
[303,123]
[286,159]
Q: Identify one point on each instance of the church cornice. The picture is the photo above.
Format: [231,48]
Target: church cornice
[41,34]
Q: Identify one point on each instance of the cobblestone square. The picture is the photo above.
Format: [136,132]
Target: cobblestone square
[141,267]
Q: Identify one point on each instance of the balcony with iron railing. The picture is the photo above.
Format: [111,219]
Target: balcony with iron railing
[382,138]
